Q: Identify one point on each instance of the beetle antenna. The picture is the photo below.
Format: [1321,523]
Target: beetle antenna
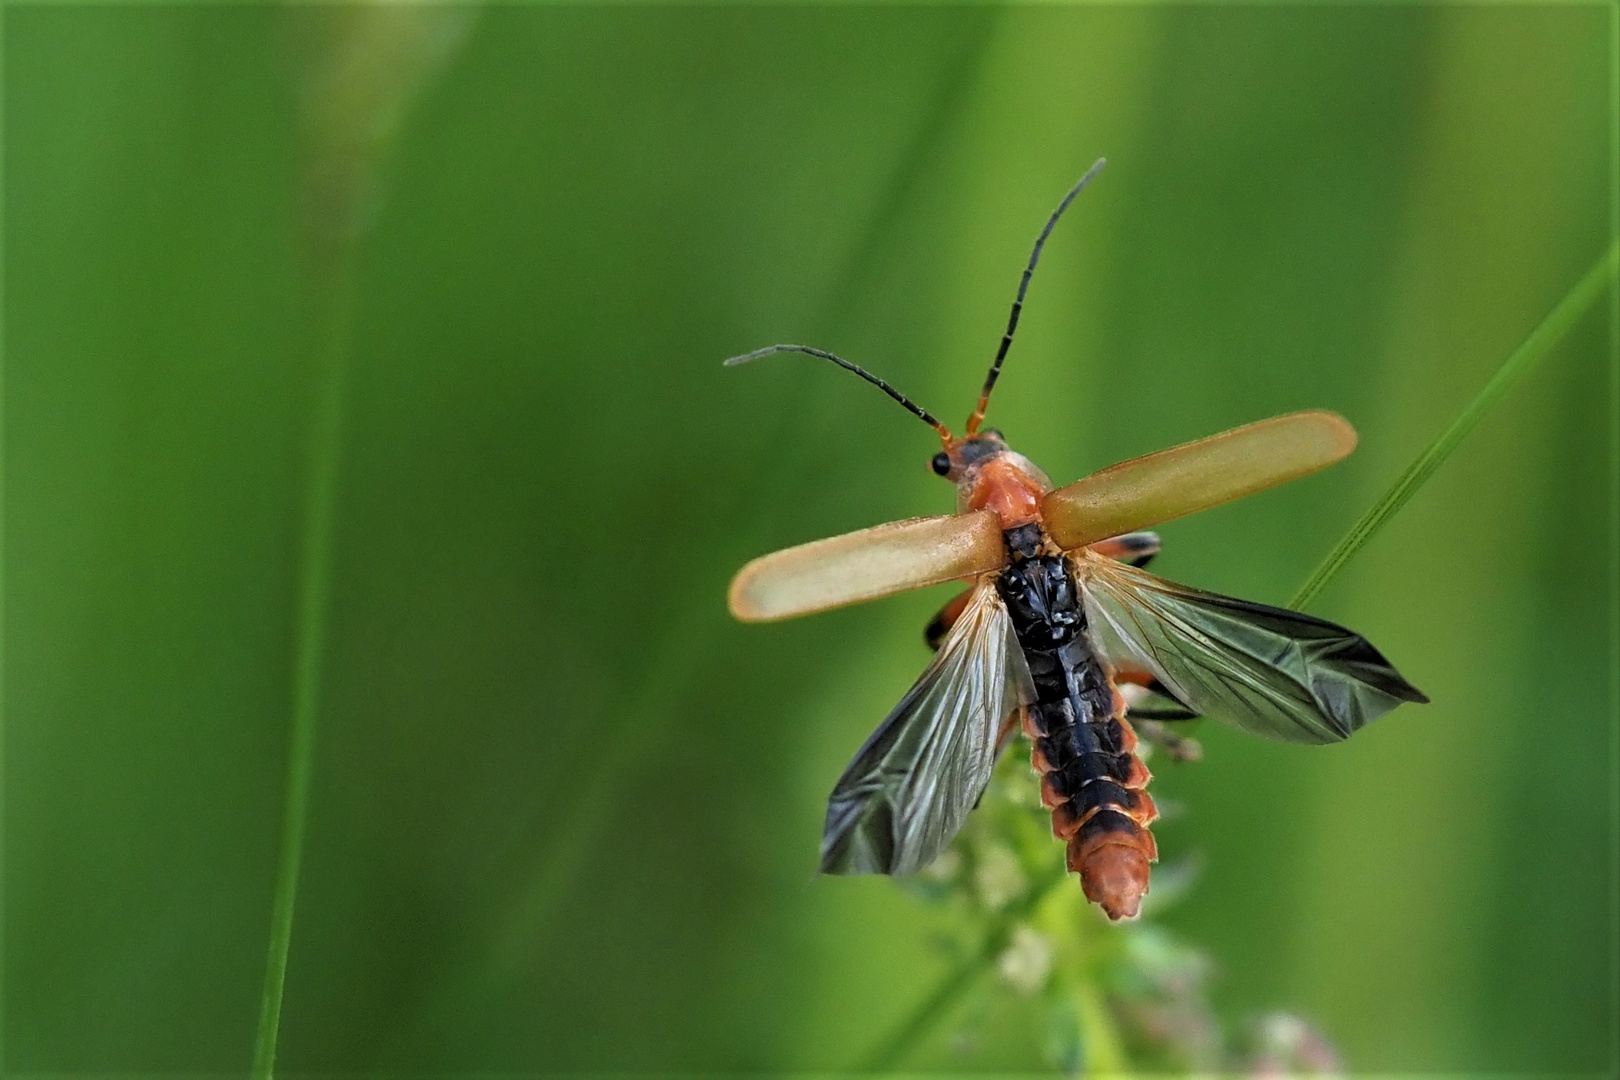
[1023,286]
[912,407]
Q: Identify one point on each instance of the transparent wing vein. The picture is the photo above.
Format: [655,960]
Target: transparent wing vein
[909,789]
[1265,670]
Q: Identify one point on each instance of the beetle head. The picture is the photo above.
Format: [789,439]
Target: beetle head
[990,476]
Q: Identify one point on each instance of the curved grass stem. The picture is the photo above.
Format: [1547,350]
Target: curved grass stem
[908,1033]
[324,455]
[368,63]
[1518,364]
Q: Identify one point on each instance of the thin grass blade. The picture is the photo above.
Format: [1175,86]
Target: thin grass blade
[369,64]
[1518,364]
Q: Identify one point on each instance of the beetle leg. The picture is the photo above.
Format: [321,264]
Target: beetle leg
[1153,722]
[1137,548]
[1010,727]
[941,624]
[1138,685]
[1164,715]
[1179,747]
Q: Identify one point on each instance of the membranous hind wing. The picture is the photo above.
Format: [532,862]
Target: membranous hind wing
[865,565]
[1265,670]
[909,789]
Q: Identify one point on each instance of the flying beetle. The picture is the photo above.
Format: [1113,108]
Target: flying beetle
[1058,616]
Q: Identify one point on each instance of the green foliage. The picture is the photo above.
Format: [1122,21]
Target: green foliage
[562,814]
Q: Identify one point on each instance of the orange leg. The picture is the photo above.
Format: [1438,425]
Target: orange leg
[1154,723]
[941,624]
[1016,719]
[1135,548]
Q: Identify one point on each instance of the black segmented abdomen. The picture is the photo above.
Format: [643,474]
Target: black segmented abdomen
[1084,749]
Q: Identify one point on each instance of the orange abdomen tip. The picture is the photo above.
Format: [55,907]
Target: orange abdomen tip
[1114,869]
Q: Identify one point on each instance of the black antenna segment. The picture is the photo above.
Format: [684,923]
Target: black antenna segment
[912,407]
[1023,286]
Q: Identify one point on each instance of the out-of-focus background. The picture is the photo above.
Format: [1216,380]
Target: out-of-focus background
[565,813]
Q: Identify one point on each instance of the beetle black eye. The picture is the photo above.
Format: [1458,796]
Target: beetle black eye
[941,463]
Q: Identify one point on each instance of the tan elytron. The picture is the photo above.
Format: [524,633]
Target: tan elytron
[1155,488]
[865,565]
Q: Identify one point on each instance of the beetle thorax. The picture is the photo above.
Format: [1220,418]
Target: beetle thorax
[1004,482]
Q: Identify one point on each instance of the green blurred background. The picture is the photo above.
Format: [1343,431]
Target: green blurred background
[565,812]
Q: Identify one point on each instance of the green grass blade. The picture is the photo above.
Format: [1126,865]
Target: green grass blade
[1518,364]
[314,586]
[369,64]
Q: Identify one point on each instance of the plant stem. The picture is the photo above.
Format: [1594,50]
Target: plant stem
[1518,364]
[1104,1055]
[369,63]
[906,1035]
[314,587]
